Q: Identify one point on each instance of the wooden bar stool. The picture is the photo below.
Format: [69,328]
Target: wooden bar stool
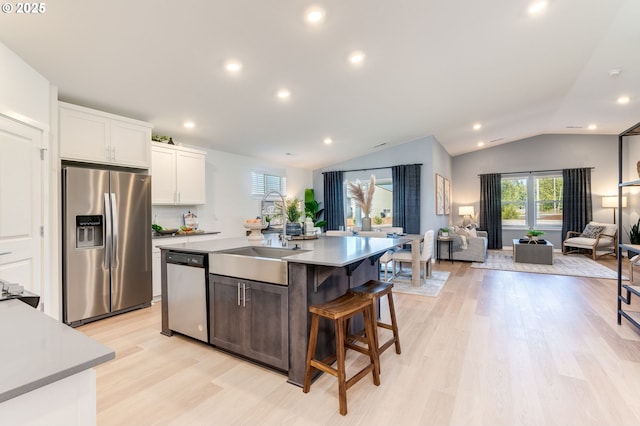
[339,311]
[373,290]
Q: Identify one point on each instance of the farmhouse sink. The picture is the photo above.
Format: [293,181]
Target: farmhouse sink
[264,264]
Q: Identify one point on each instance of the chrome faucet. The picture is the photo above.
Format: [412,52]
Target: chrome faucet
[284,215]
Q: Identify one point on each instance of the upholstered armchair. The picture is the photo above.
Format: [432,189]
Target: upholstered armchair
[598,238]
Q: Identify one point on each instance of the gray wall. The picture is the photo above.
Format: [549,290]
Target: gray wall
[544,152]
[427,151]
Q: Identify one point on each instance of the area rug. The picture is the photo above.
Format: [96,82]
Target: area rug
[575,265]
[431,287]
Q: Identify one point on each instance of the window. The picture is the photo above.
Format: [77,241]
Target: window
[532,201]
[262,183]
[382,204]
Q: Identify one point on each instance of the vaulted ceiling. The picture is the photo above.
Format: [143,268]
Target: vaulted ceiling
[431,67]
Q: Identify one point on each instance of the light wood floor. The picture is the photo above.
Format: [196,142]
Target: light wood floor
[495,348]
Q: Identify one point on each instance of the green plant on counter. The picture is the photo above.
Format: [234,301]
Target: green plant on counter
[377,220]
[312,209]
[534,233]
[293,210]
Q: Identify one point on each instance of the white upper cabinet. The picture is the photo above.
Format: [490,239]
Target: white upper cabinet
[177,175]
[99,137]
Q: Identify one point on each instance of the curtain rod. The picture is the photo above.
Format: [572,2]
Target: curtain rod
[536,171]
[371,168]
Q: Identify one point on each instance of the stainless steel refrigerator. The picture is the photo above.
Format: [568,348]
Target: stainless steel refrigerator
[106,265]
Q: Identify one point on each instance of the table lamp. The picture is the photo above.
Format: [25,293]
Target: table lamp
[611,202]
[467,212]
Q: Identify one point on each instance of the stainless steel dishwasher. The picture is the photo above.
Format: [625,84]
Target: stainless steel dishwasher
[187,288]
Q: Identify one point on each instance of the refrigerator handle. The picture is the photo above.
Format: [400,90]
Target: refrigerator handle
[114,245]
[107,220]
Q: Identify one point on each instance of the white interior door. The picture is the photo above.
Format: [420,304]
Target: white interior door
[20,205]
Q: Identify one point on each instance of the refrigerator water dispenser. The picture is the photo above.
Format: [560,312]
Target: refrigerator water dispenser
[89,231]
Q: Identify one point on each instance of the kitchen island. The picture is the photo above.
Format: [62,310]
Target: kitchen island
[271,325]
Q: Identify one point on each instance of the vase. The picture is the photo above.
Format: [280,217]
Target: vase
[294,229]
[366,224]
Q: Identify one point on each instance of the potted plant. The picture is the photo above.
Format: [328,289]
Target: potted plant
[444,232]
[534,234]
[634,233]
[312,208]
[160,138]
[293,217]
[363,199]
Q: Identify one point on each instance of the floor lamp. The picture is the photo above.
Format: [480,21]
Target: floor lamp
[612,203]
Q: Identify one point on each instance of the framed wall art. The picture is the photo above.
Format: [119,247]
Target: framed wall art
[439,194]
[447,196]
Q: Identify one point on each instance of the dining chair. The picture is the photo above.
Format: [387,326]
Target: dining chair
[426,254]
[383,233]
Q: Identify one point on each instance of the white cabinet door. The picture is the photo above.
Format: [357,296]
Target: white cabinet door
[177,175]
[84,136]
[163,175]
[130,144]
[100,137]
[20,205]
[190,177]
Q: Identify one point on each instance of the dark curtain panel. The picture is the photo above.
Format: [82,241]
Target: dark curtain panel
[491,209]
[406,197]
[334,200]
[576,200]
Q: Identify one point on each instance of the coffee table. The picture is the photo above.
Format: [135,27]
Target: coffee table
[533,253]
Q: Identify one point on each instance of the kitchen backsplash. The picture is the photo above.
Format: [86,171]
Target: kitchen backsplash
[173,217]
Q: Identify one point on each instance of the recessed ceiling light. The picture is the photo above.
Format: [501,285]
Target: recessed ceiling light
[537,7]
[623,100]
[283,94]
[480,143]
[314,15]
[233,66]
[477,126]
[328,141]
[592,127]
[356,58]
[614,72]
[189,124]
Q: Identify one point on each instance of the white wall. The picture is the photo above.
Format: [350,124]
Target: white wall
[544,152]
[229,201]
[426,151]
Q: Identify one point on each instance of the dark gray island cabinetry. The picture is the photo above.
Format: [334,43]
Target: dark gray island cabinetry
[262,315]
[250,318]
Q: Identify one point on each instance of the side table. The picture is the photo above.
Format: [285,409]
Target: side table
[441,240]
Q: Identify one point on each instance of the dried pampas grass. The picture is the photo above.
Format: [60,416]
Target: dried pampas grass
[360,197]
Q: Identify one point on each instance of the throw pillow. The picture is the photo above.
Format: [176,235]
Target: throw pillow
[592,231]
[472,233]
[461,231]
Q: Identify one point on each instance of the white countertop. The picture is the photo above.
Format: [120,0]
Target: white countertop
[329,251]
[37,350]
